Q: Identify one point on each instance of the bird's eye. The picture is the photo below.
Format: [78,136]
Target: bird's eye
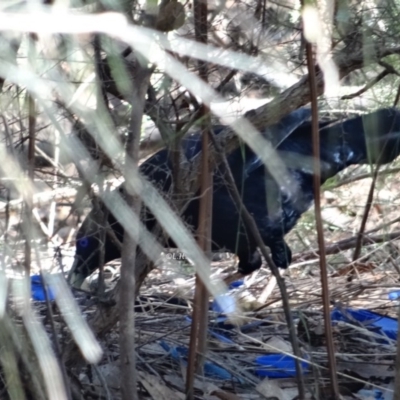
[83,242]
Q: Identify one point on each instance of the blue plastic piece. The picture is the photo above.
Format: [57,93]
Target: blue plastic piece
[38,290]
[279,366]
[180,353]
[226,303]
[394,295]
[220,337]
[375,322]
[236,284]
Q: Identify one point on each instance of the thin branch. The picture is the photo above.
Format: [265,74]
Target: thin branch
[199,328]
[319,225]
[367,209]
[368,86]
[346,244]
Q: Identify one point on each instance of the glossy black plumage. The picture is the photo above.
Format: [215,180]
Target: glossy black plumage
[370,138]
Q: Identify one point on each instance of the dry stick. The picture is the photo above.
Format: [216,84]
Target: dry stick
[356,178]
[130,248]
[198,334]
[204,238]
[206,190]
[318,222]
[253,231]
[368,86]
[367,209]
[388,69]
[29,196]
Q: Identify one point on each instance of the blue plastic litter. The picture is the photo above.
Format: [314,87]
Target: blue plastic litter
[221,338]
[279,366]
[38,290]
[273,365]
[180,353]
[394,295]
[226,303]
[236,284]
[378,323]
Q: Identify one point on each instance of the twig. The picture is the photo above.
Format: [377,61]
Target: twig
[359,177]
[318,221]
[368,86]
[367,209]
[199,328]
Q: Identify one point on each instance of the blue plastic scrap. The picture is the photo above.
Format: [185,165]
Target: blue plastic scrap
[375,322]
[394,295]
[220,337]
[279,366]
[272,365]
[226,303]
[236,284]
[38,290]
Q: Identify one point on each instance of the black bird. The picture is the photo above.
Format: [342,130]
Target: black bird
[372,138]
